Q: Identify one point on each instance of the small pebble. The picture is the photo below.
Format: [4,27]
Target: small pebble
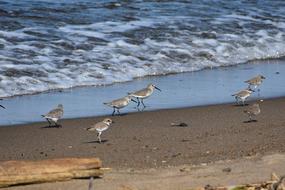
[184,169]
[227,170]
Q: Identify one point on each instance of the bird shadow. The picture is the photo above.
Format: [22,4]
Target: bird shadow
[250,121]
[140,109]
[240,105]
[121,114]
[51,127]
[91,142]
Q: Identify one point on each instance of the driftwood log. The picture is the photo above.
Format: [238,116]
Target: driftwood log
[28,172]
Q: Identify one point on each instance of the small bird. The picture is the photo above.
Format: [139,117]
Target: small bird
[143,93]
[54,115]
[242,95]
[1,105]
[252,111]
[119,103]
[255,81]
[100,127]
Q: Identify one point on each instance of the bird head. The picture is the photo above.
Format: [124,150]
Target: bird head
[129,97]
[152,86]
[250,90]
[262,77]
[108,121]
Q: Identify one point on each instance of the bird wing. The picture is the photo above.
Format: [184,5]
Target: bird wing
[242,93]
[117,103]
[55,113]
[101,126]
[142,92]
[253,80]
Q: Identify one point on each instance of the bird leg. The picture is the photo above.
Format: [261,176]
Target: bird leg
[114,111]
[49,123]
[118,111]
[2,107]
[99,137]
[237,100]
[143,103]
[138,102]
[250,119]
[57,125]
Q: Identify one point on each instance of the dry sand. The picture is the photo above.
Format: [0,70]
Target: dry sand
[145,141]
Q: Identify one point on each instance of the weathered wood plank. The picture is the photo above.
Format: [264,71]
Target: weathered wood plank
[27,172]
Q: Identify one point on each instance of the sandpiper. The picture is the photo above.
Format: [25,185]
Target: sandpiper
[252,111]
[255,81]
[119,103]
[54,115]
[100,127]
[242,95]
[1,105]
[143,93]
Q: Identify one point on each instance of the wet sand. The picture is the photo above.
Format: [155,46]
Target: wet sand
[206,87]
[147,140]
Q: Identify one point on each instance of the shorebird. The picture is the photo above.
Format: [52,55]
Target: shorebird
[242,95]
[143,93]
[100,127]
[1,105]
[255,81]
[54,115]
[119,103]
[252,111]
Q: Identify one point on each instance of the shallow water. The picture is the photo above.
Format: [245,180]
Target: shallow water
[210,86]
[51,44]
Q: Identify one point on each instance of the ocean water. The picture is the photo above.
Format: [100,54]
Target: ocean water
[47,44]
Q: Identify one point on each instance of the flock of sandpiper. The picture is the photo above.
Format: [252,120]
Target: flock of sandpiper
[54,115]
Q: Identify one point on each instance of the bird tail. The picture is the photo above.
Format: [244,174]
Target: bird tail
[43,115]
[89,129]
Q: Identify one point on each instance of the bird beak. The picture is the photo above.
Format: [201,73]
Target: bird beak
[134,100]
[2,106]
[157,88]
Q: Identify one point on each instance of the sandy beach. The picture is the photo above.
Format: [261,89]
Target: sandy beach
[146,140]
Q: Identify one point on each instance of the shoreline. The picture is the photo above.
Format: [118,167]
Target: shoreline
[68,89]
[147,139]
[206,87]
[233,103]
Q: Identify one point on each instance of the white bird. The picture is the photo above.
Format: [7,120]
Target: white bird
[143,93]
[255,81]
[119,103]
[252,111]
[100,127]
[54,115]
[242,95]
